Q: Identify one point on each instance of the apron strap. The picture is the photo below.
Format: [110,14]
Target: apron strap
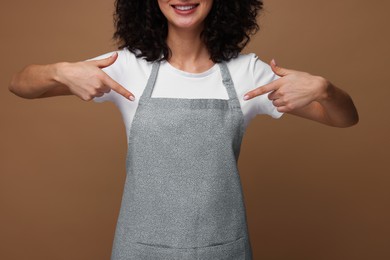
[229,85]
[151,82]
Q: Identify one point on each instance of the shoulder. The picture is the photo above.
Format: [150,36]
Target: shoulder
[249,64]
[241,63]
[126,60]
[134,64]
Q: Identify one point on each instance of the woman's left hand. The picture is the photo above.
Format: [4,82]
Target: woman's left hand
[308,96]
[294,90]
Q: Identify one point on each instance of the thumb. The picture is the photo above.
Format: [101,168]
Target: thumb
[103,63]
[279,70]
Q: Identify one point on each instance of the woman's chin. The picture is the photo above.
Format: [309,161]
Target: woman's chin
[186,25]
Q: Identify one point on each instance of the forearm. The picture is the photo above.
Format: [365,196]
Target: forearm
[339,107]
[36,80]
[334,107]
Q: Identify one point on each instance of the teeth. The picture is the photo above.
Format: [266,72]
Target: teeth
[184,7]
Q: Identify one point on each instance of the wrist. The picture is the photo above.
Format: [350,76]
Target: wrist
[58,72]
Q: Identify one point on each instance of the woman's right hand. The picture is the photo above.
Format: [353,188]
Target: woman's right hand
[85,79]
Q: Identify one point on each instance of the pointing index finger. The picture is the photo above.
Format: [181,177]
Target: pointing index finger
[274,85]
[112,84]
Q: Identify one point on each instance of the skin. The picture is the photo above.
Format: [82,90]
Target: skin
[185,22]
[189,53]
[297,93]
[85,80]
[308,96]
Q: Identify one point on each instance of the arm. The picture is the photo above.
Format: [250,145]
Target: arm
[336,108]
[84,79]
[311,97]
[37,81]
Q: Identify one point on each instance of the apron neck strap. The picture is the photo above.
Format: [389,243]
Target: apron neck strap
[151,81]
[227,81]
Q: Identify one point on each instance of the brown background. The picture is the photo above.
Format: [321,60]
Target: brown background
[312,191]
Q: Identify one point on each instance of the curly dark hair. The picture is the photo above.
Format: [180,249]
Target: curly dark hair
[142,28]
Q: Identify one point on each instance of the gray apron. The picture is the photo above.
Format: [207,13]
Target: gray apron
[182,198]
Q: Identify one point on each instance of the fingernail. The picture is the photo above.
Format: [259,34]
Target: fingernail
[112,55]
[246,97]
[274,62]
[132,98]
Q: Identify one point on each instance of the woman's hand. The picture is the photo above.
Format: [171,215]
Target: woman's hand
[87,80]
[308,96]
[84,79]
[295,89]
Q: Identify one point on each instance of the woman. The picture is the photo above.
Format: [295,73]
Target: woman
[186,96]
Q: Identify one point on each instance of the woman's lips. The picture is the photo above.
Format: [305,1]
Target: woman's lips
[185,9]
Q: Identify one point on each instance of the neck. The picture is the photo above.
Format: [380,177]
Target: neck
[189,53]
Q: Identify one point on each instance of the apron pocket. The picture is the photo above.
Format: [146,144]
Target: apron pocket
[234,250]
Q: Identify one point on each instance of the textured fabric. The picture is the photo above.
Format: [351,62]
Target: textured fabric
[247,71]
[183,198]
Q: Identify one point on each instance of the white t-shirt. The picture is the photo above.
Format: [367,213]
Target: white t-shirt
[247,71]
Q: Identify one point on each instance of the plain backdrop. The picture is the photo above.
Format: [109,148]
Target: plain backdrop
[312,192]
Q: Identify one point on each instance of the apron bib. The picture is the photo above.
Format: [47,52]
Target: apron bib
[182,198]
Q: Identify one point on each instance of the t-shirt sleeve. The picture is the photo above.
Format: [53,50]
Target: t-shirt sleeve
[262,75]
[114,72]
